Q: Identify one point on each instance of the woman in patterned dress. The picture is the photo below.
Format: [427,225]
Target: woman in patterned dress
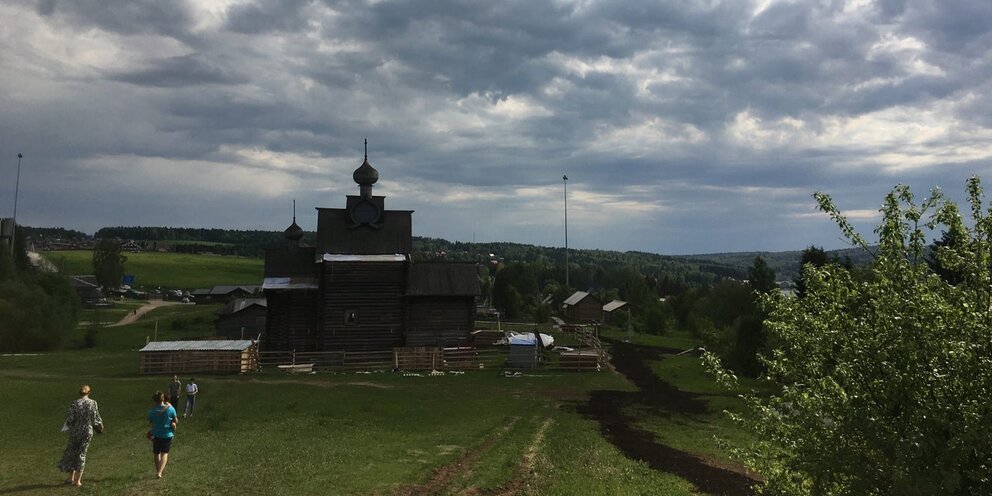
[82,419]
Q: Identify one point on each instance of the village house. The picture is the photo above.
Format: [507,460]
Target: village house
[582,307]
[241,318]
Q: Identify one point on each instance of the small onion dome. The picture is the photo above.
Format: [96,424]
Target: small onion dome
[293,232]
[365,174]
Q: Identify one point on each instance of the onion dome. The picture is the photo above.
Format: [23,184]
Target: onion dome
[365,174]
[293,232]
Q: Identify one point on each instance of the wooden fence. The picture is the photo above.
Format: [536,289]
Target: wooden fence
[410,358]
[591,356]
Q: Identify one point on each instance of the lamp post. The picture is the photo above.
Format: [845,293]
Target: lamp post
[564,180]
[17,187]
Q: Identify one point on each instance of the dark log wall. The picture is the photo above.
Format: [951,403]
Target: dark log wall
[336,234]
[252,319]
[439,320]
[291,322]
[589,309]
[374,292]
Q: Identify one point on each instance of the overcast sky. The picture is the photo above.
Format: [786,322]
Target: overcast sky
[684,127]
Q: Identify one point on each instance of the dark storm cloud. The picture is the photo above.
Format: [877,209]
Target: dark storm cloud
[267,16]
[170,18]
[187,70]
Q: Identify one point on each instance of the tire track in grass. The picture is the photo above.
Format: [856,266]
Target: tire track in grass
[443,476]
[607,408]
[525,474]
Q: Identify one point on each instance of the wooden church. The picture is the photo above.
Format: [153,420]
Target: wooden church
[359,289]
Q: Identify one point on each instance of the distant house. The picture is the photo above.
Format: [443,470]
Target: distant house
[241,318]
[228,356]
[223,294]
[611,308]
[583,307]
[87,289]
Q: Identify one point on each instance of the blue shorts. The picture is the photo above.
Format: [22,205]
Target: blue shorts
[161,445]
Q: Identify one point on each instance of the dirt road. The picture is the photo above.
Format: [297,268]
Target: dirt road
[607,407]
[147,307]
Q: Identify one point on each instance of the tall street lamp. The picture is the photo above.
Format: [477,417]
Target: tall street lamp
[564,179]
[17,187]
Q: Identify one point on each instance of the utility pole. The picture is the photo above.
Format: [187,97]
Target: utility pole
[17,187]
[564,180]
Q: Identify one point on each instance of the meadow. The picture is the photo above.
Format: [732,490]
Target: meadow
[169,270]
[378,433]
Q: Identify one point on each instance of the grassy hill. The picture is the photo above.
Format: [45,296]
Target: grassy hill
[170,270]
[545,432]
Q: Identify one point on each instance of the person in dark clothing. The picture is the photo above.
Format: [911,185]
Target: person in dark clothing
[174,387]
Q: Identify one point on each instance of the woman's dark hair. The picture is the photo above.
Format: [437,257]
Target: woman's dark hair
[158,397]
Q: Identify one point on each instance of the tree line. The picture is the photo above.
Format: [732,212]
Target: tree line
[36,308]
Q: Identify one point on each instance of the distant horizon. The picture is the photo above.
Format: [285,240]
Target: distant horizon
[828,249]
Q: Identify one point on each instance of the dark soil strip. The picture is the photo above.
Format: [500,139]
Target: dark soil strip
[607,407]
[443,476]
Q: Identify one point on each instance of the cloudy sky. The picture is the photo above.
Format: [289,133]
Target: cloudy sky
[684,127]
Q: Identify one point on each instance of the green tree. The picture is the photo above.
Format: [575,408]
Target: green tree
[108,263]
[948,240]
[883,381]
[811,256]
[35,310]
[761,277]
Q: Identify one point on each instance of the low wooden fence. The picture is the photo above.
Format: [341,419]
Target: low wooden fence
[592,356]
[412,358]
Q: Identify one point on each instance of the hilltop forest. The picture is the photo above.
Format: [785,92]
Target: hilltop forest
[713,296]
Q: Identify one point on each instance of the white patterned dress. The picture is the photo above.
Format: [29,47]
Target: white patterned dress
[83,416]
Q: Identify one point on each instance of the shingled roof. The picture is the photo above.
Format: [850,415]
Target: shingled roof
[442,279]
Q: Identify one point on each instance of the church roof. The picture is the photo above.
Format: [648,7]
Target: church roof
[442,279]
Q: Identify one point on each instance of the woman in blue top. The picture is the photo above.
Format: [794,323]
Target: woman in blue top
[163,421]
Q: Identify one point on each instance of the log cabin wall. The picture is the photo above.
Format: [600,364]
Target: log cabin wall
[589,309]
[362,305]
[291,320]
[441,321]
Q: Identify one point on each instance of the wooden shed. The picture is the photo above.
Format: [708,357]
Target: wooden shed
[613,308]
[226,356]
[241,318]
[583,307]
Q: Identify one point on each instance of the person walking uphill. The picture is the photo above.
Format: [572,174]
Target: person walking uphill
[83,418]
[191,391]
[162,418]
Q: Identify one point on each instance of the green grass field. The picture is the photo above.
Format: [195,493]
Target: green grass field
[378,433]
[170,270]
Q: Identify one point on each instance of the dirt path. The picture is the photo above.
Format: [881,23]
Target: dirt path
[147,307]
[525,474]
[607,407]
[443,476]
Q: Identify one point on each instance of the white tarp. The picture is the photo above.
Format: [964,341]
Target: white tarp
[527,339]
[334,257]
